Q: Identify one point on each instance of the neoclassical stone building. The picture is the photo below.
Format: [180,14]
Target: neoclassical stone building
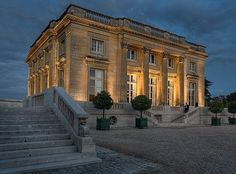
[86,52]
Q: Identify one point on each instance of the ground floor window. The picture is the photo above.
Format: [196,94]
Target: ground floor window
[170,92]
[152,90]
[131,87]
[61,77]
[96,81]
[192,94]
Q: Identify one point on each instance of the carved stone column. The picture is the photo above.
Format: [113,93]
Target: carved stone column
[123,75]
[181,81]
[164,78]
[145,70]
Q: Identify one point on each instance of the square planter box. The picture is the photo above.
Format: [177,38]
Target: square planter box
[141,123]
[232,120]
[215,121]
[103,123]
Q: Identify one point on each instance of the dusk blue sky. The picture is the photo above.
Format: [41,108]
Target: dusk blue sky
[211,23]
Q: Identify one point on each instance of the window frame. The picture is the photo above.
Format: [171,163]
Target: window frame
[192,67]
[129,53]
[154,58]
[95,44]
[170,63]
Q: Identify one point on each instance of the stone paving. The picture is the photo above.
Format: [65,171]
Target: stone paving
[112,163]
[177,150]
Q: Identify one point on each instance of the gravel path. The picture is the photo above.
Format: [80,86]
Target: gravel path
[179,150]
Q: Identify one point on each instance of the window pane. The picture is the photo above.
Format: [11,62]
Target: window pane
[92,72]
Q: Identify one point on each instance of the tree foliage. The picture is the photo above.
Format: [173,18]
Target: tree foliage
[103,101]
[231,97]
[141,103]
[216,105]
[232,107]
[208,83]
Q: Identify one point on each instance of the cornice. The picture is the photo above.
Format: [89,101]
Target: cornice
[94,19]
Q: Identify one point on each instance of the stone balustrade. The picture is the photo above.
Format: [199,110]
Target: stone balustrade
[137,26]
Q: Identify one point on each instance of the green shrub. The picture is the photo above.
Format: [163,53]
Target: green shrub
[103,101]
[232,107]
[141,103]
[216,106]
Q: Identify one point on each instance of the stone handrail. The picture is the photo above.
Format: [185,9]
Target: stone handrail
[68,111]
[191,114]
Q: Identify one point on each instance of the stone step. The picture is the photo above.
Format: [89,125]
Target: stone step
[80,160]
[17,120]
[37,152]
[30,127]
[38,160]
[34,145]
[20,117]
[32,138]
[32,132]
[27,122]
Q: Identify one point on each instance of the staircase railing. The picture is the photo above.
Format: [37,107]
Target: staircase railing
[191,114]
[69,112]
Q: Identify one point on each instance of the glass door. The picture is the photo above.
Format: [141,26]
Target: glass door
[131,87]
[96,82]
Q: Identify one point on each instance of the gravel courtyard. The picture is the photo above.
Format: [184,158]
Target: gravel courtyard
[177,150]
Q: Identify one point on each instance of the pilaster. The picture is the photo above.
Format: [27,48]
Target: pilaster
[181,81]
[164,78]
[123,71]
[145,70]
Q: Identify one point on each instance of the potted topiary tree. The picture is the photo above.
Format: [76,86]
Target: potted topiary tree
[141,103]
[103,101]
[232,109]
[216,106]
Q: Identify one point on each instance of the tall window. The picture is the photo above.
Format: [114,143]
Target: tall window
[192,94]
[131,54]
[152,59]
[62,47]
[170,63]
[61,77]
[152,90]
[170,94]
[97,46]
[192,66]
[96,81]
[131,87]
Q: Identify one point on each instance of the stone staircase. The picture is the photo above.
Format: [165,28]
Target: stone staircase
[33,140]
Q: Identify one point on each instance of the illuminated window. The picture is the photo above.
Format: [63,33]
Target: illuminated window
[97,46]
[131,87]
[152,90]
[192,94]
[131,54]
[152,59]
[95,82]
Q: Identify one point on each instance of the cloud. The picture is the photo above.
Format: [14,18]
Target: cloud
[211,23]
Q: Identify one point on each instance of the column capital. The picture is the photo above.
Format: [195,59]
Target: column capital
[124,45]
[166,54]
[181,59]
[146,50]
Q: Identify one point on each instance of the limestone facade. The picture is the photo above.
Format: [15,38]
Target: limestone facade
[86,52]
